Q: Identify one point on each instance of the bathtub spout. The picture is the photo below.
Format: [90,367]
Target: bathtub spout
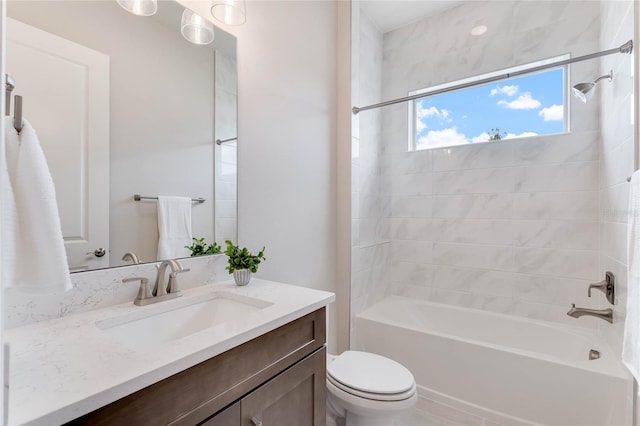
[605,314]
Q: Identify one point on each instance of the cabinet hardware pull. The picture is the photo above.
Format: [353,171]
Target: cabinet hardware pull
[256,421]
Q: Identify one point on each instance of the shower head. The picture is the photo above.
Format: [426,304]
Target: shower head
[585,91]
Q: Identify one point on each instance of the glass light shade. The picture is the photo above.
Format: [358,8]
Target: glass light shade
[230,12]
[195,28]
[139,7]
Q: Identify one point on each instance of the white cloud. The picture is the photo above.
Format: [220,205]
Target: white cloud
[521,135]
[482,137]
[524,101]
[431,112]
[444,137]
[424,113]
[505,90]
[552,113]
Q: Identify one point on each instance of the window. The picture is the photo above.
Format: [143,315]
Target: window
[529,105]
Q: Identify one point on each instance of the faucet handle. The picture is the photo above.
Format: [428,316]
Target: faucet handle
[173,280]
[599,286]
[607,286]
[143,291]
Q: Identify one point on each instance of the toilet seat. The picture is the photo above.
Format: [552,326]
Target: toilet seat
[371,376]
[373,396]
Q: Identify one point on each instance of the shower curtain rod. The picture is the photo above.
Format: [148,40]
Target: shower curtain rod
[625,48]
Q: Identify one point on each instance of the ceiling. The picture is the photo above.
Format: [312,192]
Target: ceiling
[392,14]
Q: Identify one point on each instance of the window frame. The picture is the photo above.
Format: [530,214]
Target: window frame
[566,99]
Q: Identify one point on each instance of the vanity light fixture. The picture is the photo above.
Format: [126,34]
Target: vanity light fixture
[139,7]
[195,28]
[230,12]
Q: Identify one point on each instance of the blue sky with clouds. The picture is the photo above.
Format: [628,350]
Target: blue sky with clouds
[524,106]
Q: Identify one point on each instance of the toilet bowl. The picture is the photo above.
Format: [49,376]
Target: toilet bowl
[365,389]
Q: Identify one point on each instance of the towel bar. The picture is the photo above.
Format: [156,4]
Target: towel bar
[138,197]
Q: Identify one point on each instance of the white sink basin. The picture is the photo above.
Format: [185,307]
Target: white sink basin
[165,321]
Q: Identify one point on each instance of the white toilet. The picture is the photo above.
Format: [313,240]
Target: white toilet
[366,389]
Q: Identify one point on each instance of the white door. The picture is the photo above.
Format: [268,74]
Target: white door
[65,90]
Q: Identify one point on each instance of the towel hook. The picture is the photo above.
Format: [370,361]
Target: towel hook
[17,117]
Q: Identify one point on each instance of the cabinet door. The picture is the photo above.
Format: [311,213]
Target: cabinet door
[295,397]
[228,417]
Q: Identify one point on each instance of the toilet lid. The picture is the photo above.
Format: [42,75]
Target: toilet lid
[370,373]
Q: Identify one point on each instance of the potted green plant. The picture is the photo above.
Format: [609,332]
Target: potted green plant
[200,248]
[242,263]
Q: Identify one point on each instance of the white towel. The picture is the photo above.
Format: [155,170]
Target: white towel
[36,259]
[174,227]
[631,342]
[8,225]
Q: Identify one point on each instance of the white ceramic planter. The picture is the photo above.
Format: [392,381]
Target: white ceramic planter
[242,276]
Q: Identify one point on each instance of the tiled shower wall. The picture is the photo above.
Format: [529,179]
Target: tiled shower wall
[370,208]
[513,226]
[616,153]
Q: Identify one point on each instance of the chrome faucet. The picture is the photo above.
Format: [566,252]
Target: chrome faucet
[160,292]
[171,290]
[605,314]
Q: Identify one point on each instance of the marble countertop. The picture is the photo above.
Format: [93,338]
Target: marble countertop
[64,368]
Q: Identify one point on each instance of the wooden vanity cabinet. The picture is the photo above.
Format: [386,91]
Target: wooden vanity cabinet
[277,379]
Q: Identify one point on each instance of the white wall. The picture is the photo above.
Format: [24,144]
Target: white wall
[286,148]
[287,154]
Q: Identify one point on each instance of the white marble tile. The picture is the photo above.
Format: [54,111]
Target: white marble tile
[581,205]
[411,185]
[556,262]
[617,165]
[614,202]
[474,255]
[412,251]
[582,176]
[456,298]
[614,240]
[477,231]
[477,181]
[476,206]
[558,234]
[563,148]
[479,156]
[411,229]
[412,162]
[551,290]
[411,206]
[411,273]
[412,291]
[473,280]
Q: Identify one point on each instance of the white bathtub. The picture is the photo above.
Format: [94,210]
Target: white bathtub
[508,369]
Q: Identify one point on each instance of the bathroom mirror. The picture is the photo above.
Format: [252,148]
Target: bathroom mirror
[124,105]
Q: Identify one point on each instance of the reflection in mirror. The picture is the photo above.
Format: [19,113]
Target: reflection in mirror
[125,105]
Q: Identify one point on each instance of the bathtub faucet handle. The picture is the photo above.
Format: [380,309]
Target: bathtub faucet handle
[607,287]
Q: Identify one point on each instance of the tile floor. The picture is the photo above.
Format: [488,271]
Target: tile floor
[431,413]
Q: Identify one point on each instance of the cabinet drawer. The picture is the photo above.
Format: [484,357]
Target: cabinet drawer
[295,397]
[193,395]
